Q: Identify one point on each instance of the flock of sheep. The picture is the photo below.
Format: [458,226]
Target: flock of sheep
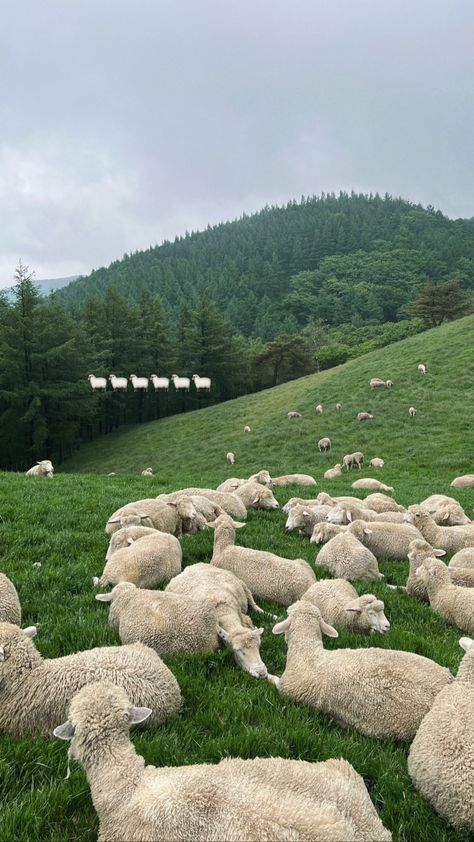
[201,384]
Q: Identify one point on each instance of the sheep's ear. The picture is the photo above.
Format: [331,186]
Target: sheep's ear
[143,516]
[172,503]
[446,516]
[130,541]
[104,597]
[318,538]
[439,553]
[65,731]
[211,524]
[330,631]
[223,634]
[2,653]
[466,643]
[305,513]
[237,525]
[31,631]
[260,630]
[137,715]
[368,531]
[114,520]
[353,606]
[254,502]
[282,627]
[349,516]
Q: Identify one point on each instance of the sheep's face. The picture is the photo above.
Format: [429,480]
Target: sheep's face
[417,515]
[369,614]
[451,516]
[303,614]
[432,570]
[246,648]
[420,549]
[17,652]
[264,499]
[297,518]
[292,502]
[339,515]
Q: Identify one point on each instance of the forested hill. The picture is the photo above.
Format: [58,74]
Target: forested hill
[346,258]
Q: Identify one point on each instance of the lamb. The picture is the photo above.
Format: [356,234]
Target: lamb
[324,445]
[253,494]
[422,368]
[201,383]
[369,482]
[466,481]
[34,693]
[304,518]
[437,501]
[341,606]
[230,457]
[42,469]
[333,473]
[364,416]
[419,549]
[347,558]
[318,408]
[294,479]
[10,608]
[228,501]
[173,516]
[380,692]
[148,472]
[463,558]
[234,799]
[247,429]
[171,624]
[377,383]
[440,759]
[382,503]
[449,538]
[339,406]
[118,383]
[376,462]
[181,383]
[97,382]
[351,459]
[146,562]
[453,602]
[387,541]
[411,411]
[323,532]
[160,382]
[294,414]
[126,536]
[139,383]
[451,515]
[268,576]
[263,477]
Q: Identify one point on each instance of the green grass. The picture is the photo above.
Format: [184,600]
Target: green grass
[226,712]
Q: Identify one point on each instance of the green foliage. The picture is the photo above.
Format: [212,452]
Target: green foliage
[440,302]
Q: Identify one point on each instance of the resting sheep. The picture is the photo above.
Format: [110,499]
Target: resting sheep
[453,602]
[304,518]
[418,550]
[376,462]
[173,516]
[126,536]
[466,481]
[449,538]
[371,483]
[333,473]
[148,472]
[412,411]
[230,457]
[298,501]
[34,693]
[323,532]
[256,496]
[339,406]
[10,608]
[294,414]
[228,501]
[324,444]
[463,558]
[422,368]
[382,503]
[263,477]
[364,416]
[348,512]
[377,383]
[318,408]
[265,799]
[247,429]
[42,469]
[451,515]
[387,541]
[342,607]
[437,501]
[146,562]
[294,479]
[347,558]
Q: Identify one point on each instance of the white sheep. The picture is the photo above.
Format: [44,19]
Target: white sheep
[346,512]
[10,608]
[352,459]
[371,483]
[412,412]
[247,429]
[97,383]
[294,479]
[324,531]
[339,406]
[324,444]
[452,514]
[380,692]
[125,536]
[449,538]
[342,607]
[304,518]
[298,501]
[42,469]
[422,368]
[382,503]
[227,500]
[181,383]
[364,416]
[256,496]
[453,602]
[146,562]
[118,383]
[294,414]
[263,477]
[230,457]
[463,558]
[419,549]
[139,383]
[389,384]
[34,693]
[376,462]
[201,383]
[437,501]
[148,472]
[174,516]
[263,798]
[387,541]
[160,383]
[318,408]
[333,473]
[466,481]
[347,558]
[377,383]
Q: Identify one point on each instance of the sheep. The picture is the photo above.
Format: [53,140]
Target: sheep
[267,575]
[411,411]
[382,503]
[146,562]
[422,368]
[263,477]
[229,485]
[298,501]
[139,383]
[231,599]
[324,531]
[304,518]
[418,550]
[230,457]
[440,758]
[347,558]
[370,482]
[125,536]
[173,516]
[341,606]
[203,506]
[389,384]
[387,541]
[437,501]
[112,474]
[325,499]
[380,692]
[160,382]
[294,414]
[201,383]
[97,382]
[451,515]
[318,408]
[376,462]
[377,383]
[345,513]
[466,481]
[228,501]
[324,445]
[351,459]
[148,472]
[262,798]
[247,429]
[10,608]
[42,469]
[253,494]
[294,479]
[449,538]
[118,383]
[453,602]
[333,473]
[171,624]
[339,406]
[364,416]
[34,693]
[463,558]
[181,383]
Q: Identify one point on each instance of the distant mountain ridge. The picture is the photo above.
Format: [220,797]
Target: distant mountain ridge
[49,285]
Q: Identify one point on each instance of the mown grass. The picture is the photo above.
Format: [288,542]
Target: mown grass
[226,712]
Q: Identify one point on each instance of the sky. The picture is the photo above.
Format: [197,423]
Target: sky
[127,122]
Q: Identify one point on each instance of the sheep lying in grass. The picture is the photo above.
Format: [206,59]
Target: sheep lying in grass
[333,473]
[347,558]
[419,549]
[339,406]
[323,532]
[304,518]
[10,608]
[42,469]
[267,575]
[451,515]
[324,444]
[325,499]
[382,503]
[466,481]
[231,800]
[165,515]
[228,501]
[463,558]
[148,472]
[370,482]
[376,462]
[146,562]
[449,538]
[437,501]
[294,479]
[256,496]
[440,759]
[348,512]
[453,602]
[34,693]
[364,416]
[263,477]
[125,536]
[380,692]
[230,598]
[298,501]
[387,541]
[229,485]
[247,429]
[341,606]
[171,624]
[294,414]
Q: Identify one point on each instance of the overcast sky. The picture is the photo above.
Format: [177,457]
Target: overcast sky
[125,122]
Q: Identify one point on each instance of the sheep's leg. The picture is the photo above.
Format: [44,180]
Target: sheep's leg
[273,679]
[254,607]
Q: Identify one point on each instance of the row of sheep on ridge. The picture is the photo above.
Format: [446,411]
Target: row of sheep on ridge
[201,384]
[207,604]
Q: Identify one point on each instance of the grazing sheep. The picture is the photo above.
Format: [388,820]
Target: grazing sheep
[324,445]
[160,382]
[42,469]
[318,408]
[412,411]
[201,383]
[265,799]
[228,501]
[466,481]
[449,538]
[376,462]
[323,532]
[380,692]
[440,759]
[451,515]
[10,608]
[247,429]
[387,541]
[369,482]
[126,536]
[333,473]
[173,516]
[34,693]
[352,459]
[342,607]
[364,416]
[146,562]
[148,472]
[294,479]
[422,368]
[294,414]
[463,558]
[377,383]
[339,406]
[171,624]
[389,384]
[139,383]
[181,383]
[118,383]
[418,550]
[347,558]
[253,494]
[230,457]
[97,383]
[453,602]
[304,518]
[267,575]
[382,503]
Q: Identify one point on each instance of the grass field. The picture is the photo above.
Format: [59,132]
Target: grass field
[227,712]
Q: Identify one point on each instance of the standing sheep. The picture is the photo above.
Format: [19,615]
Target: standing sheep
[42,469]
[34,693]
[339,406]
[97,383]
[324,445]
[181,383]
[146,562]
[364,416]
[118,383]
[10,608]
[412,412]
[453,602]
[160,382]
[389,384]
[422,368]
[247,429]
[294,414]
[377,383]
[201,384]
[352,459]
[347,558]
[319,408]
[341,606]
[139,383]
[230,457]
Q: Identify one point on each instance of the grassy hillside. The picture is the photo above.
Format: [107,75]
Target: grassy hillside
[226,712]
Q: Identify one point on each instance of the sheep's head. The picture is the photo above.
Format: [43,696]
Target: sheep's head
[297,518]
[18,654]
[224,521]
[264,499]
[368,614]
[432,571]
[187,513]
[466,667]
[118,590]
[419,549]
[245,645]
[292,502]
[451,515]
[360,530]
[339,515]
[304,615]
[323,532]
[325,499]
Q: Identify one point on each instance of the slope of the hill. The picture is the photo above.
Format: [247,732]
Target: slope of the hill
[192,446]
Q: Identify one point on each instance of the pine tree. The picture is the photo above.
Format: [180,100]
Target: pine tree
[440,302]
